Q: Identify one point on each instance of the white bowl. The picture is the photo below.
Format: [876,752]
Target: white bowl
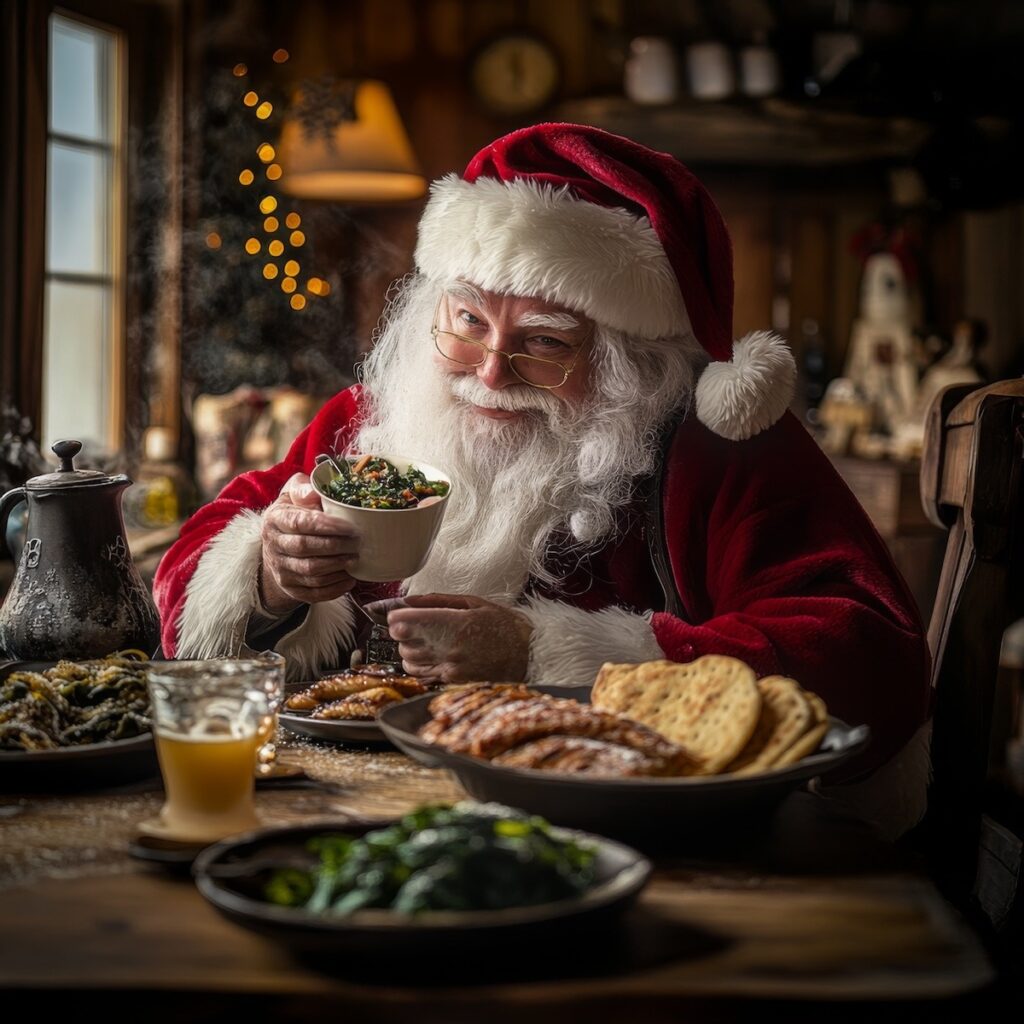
[394,543]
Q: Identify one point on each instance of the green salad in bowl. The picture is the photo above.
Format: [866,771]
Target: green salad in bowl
[373,482]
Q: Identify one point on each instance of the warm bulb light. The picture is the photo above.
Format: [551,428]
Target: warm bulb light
[291,268]
[293,220]
[246,177]
[288,285]
[252,246]
[250,99]
[365,159]
[274,172]
[268,204]
[275,248]
[264,110]
[280,56]
[271,224]
[266,152]
[297,238]
[213,240]
[240,70]
[269,271]
[298,301]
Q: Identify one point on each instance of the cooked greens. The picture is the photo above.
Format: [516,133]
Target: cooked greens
[445,857]
[74,702]
[376,483]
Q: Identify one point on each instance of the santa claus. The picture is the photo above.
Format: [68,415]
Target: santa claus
[629,485]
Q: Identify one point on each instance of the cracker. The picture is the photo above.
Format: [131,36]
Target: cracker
[807,744]
[817,706]
[786,715]
[710,706]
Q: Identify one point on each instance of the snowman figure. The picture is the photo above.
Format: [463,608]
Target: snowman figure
[882,359]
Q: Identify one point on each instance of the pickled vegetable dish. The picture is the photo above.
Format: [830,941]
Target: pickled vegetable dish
[376,483]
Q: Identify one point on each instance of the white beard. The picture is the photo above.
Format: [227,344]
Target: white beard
[558,467]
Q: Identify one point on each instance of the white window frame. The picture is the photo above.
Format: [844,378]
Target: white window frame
[114,279]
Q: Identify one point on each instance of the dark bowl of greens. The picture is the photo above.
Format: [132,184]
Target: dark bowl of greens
[73,725]
[443,880]
[394,503]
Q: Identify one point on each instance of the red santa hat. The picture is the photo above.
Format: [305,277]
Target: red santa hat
[623,234]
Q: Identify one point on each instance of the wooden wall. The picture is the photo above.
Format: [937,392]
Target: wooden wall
[791,231]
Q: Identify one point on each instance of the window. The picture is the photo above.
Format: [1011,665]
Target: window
[83,324]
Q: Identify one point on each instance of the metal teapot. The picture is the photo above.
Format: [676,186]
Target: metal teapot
[76,592]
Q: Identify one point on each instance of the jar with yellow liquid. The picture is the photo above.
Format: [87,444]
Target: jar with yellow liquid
[210,719]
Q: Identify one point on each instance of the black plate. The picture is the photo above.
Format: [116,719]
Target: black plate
[230,874]
[85,766]
[336,731]
[341,731]
[79,767]
[664,809]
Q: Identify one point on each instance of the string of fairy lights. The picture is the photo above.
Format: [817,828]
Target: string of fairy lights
[281,230]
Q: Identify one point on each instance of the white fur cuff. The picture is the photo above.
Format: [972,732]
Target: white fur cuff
[222,595]
[323,641]
[569,645]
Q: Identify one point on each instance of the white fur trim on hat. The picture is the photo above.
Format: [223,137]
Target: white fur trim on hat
[522,238]
[739,399]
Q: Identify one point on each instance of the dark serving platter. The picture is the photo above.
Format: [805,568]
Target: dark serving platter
[341,731]
[231,874]
[79,767]
[327,731]
[676,810]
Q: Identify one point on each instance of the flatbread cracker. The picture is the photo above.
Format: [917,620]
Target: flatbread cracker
[785,716]
[807,744]
[710,706]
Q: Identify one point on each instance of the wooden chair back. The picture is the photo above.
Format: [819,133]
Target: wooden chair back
[971,484]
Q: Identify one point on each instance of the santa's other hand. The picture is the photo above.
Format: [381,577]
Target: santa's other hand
[457,638]
[306,552]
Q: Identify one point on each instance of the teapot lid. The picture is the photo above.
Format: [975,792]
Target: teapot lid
[67,475]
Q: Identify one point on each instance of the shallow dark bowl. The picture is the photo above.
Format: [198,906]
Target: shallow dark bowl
[86,766]
[79,767]
[337,731]
[666,810]
[230,875]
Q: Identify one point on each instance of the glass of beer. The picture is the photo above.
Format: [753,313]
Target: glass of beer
[207,717]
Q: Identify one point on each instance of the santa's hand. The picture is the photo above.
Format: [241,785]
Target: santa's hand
[459,639]
[306,552]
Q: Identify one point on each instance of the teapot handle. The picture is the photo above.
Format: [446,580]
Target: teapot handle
[7,503]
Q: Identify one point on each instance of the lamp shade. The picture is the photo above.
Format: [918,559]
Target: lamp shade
[368,159]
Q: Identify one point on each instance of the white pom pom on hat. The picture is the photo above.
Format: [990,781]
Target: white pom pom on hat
[619,232]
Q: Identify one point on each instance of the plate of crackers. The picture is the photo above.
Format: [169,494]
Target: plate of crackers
[658,745]
[342,707]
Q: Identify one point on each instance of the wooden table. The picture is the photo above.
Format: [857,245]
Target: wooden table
[810,912]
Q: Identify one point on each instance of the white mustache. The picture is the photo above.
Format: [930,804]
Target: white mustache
[515,398]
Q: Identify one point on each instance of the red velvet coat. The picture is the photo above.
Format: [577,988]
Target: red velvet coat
[774,559]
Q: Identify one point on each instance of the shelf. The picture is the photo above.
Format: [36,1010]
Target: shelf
[767,133]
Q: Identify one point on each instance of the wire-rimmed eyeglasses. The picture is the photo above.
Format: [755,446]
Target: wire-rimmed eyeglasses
[533,370]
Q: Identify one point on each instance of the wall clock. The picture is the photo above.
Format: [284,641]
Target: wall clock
[516,73]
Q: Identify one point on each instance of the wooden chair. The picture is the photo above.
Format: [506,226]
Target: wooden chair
[971,484]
